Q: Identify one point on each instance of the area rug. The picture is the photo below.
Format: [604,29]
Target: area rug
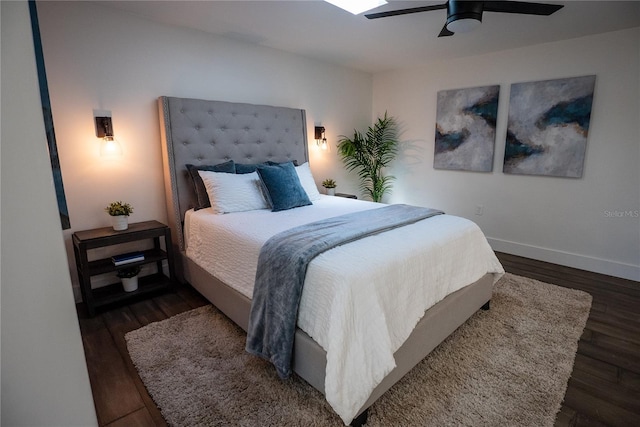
[506,366]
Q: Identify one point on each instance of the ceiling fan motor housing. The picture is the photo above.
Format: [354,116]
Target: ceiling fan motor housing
[463,11]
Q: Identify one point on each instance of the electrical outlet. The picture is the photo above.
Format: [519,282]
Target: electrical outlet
[479,210]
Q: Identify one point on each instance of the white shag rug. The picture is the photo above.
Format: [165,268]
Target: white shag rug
[508,366]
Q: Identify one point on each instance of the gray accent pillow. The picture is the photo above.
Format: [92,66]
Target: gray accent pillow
[282,186]
[202,198]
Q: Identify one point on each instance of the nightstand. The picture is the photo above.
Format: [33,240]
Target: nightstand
[348,196]
[84,241]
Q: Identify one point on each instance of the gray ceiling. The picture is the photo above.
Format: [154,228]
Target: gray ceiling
[320,30]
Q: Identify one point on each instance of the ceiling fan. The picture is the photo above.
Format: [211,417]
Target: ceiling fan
[464,15]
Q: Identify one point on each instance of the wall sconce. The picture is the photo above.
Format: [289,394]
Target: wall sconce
[321,141]
[110,146]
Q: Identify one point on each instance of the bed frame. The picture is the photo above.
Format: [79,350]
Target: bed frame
[209,132]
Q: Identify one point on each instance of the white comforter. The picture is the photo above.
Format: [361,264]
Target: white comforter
[360,301]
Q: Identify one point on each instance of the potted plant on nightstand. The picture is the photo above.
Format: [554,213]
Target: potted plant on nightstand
[129,276]
[119,212]
[330,186]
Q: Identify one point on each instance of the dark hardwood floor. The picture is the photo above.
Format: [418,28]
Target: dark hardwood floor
[604,388]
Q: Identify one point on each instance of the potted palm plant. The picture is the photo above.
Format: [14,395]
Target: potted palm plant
[119,213]
[369,154]
[129,277]
[330,186]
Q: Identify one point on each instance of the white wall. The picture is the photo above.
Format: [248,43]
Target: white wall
[100,58]
[565,221]
[44,373]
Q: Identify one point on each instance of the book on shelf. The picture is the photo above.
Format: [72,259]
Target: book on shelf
[127,258]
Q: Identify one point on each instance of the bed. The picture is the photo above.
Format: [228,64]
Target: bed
[200,132]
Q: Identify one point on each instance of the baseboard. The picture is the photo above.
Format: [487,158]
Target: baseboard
[582,262]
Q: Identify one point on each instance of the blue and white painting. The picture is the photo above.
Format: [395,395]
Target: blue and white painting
[548,127]
[466,128]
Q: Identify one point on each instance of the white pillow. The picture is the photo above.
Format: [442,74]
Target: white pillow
[307,181]
[230,192]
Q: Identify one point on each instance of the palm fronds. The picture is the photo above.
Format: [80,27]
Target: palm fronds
[368,155]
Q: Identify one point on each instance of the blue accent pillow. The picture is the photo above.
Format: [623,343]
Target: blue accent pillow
[243,168]
[202,198]
[252,167]
[282,186]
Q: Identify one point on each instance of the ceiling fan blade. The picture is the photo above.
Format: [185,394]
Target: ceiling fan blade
[406,11]
[444,32]
[525,8]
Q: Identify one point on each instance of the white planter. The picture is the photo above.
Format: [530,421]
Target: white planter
[331,191]
[120,222]
[130,284]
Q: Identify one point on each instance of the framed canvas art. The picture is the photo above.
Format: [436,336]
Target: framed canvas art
[466,128]
[548,126]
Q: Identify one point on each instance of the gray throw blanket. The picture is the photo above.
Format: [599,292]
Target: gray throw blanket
[282,266]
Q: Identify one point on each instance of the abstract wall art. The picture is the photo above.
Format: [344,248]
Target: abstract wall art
[548,126]
[466,128]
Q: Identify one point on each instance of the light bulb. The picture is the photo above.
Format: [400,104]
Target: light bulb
[110,147]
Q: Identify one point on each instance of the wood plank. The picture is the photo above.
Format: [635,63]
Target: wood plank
[570,273]
[146,312]
[607,355]
[566,417]
[598,409]
[88,324]
[596,368]
[630,380]
[113,389]
[620,346]
[612,393]
[171,304]
[119,322]
[139,418]
[623,312]
[562,270]
[599,292]
[599,306]
[582,420]
[613,328]
[191,296]
[587,335]
[625,305]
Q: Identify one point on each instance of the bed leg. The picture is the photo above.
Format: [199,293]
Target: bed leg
[361,419]
[487,305]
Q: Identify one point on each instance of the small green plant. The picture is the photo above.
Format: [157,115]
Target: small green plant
[119,208]
[128,272]
[329,183]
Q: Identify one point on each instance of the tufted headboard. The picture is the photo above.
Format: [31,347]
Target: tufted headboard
[203,132]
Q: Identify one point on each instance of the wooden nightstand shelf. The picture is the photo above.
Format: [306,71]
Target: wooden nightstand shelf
[348,196]
[83,241]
